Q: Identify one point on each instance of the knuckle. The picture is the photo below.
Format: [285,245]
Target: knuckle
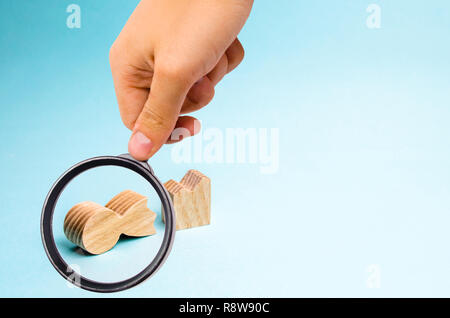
[241,54]
[117,54]
[154,120]
[113,53]
[206,96]
[177,71]
[127,117]
[128,123]
[235,56]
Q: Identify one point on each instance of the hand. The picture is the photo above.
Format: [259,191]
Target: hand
[166,62]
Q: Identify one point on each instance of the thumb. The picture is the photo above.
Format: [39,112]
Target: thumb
[159,115]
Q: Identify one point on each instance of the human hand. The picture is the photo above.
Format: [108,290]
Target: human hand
[166,62]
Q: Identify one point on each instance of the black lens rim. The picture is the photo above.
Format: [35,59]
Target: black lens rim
[143,169]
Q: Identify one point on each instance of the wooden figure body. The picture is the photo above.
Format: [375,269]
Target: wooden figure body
[96,228]
[191,199]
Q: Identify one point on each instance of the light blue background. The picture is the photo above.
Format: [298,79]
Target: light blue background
[364,173]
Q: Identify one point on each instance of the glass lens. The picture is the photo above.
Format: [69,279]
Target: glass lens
[130,254]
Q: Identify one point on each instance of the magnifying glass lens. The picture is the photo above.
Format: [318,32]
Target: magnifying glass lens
[102,224]
[118,189]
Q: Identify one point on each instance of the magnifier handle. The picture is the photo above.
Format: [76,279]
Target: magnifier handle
[142,163]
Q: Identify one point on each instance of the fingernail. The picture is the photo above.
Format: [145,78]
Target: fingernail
[140,146]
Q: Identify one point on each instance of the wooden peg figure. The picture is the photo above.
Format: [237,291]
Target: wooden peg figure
[96,228]
[191,198]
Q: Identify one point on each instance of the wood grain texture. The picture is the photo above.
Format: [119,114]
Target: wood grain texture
[191,199]
[96,228]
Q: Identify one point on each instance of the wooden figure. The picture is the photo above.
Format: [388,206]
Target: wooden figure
[96,228]
[191,199]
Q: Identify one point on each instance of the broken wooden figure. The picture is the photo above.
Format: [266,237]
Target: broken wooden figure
[96,228]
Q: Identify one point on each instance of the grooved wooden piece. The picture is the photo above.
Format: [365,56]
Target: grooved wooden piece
[191,199]
[96,228]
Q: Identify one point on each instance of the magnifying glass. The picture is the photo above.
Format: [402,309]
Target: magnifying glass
[144,170]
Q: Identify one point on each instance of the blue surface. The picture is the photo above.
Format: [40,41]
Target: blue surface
[363,179]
